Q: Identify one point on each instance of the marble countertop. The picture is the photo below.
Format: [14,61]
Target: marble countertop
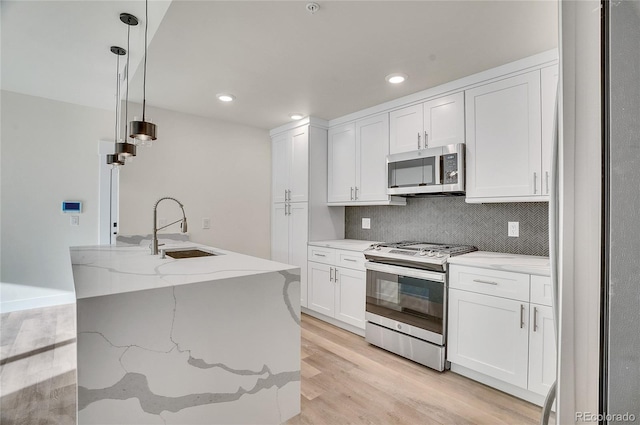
[348,244]
[105,269]
[508,262]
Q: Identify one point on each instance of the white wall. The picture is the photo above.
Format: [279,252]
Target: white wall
[216,169]
[49,153]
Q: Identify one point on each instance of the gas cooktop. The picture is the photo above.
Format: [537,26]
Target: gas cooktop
[427,255]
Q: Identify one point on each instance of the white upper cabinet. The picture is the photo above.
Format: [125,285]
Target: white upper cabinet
[342,163]
[290,174]
[357,163]
[406,127]
[437,122]
[549,89]
[372,148]
[444,121]
[503,123]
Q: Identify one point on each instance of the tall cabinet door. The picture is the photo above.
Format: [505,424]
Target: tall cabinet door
[542,349]
[350,296]
[503,129]
[490,335]
[280,146]
[549,89]
[444,121]
[321,297]
[342,163]
[298,238]
[406,128]
[280,233]
[372,148]
[299,163]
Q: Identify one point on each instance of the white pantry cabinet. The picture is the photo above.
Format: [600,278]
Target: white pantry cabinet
[290,173]
[501,326]
[289,236]
[437,122]
[337,284]
[357,163]
[549,90]
[299,209]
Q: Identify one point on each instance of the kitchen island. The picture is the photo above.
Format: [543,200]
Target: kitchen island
[207,340]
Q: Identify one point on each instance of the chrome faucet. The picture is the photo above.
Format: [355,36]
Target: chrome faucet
[183,225]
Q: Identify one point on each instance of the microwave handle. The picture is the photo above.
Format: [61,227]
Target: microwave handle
[404,271]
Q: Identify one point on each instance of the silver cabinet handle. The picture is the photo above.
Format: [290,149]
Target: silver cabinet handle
[330,274]
[350,259]
[547,178]
[535,182]
[289,195]
[285,195]
[335,275]
[488,282]
[426,140]
[535,319]
[352,193]
[521,316]
[319,255]
[418,140]
[356,197]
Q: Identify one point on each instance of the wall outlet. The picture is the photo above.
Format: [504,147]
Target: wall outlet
[366,223]
[74,220]
[514,229]
[206,223]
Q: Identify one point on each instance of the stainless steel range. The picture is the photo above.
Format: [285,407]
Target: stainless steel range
[406,308]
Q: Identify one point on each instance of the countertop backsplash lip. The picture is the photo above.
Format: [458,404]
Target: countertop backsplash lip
[452,220]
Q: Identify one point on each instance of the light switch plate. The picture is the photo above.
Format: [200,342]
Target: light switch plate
[206,223]
[514,229]
[366,223]
[74,220]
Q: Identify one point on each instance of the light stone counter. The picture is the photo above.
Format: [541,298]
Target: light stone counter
[529,264]
[348,244]
[208,340]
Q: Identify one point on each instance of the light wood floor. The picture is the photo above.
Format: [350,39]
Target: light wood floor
[344,380]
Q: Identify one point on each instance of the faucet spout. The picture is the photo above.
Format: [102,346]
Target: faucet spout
[183,225]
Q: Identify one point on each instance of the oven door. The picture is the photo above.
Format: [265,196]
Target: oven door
[408,300]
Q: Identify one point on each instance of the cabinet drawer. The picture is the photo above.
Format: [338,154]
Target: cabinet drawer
[350,259]
[321,255]
[541,290]
[491,282]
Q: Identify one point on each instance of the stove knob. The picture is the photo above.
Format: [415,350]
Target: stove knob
[423,252]
[430,253]
[377,247]
[439,254]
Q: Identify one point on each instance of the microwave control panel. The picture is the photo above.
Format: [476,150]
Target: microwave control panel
[450,168]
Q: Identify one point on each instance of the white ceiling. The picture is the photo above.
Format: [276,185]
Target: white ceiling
[274,56]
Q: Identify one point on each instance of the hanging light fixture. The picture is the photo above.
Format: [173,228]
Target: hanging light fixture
[144,131]
[115,159]
[124,148]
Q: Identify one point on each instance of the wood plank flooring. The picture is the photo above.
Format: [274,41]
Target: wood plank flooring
[344,379]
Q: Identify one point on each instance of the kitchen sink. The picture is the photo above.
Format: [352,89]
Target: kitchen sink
[188,253]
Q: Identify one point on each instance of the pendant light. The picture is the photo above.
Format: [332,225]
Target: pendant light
[125,148]
[115,159]
[144,131]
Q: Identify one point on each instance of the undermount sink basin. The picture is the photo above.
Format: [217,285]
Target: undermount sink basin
[188,253]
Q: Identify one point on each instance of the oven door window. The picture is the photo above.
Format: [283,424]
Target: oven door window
[417,302]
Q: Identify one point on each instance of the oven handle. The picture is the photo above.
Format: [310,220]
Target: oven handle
[405,271]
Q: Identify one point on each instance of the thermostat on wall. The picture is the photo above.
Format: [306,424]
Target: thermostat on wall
[71,206]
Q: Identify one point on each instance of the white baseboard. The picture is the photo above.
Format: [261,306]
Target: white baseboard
[334,322]
[15,297]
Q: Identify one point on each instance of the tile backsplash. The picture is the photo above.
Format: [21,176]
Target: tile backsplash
[452,220]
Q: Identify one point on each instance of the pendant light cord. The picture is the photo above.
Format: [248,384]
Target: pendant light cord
[144,76]
[115,138]
[126,103]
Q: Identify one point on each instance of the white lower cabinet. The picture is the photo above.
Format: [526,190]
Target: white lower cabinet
[487,334]
[495,329]
[337,284]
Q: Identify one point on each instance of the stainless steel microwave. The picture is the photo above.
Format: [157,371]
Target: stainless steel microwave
[427,172]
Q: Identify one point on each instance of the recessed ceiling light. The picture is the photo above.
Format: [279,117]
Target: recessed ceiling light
[225,97]
[396,78]
[296,116]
